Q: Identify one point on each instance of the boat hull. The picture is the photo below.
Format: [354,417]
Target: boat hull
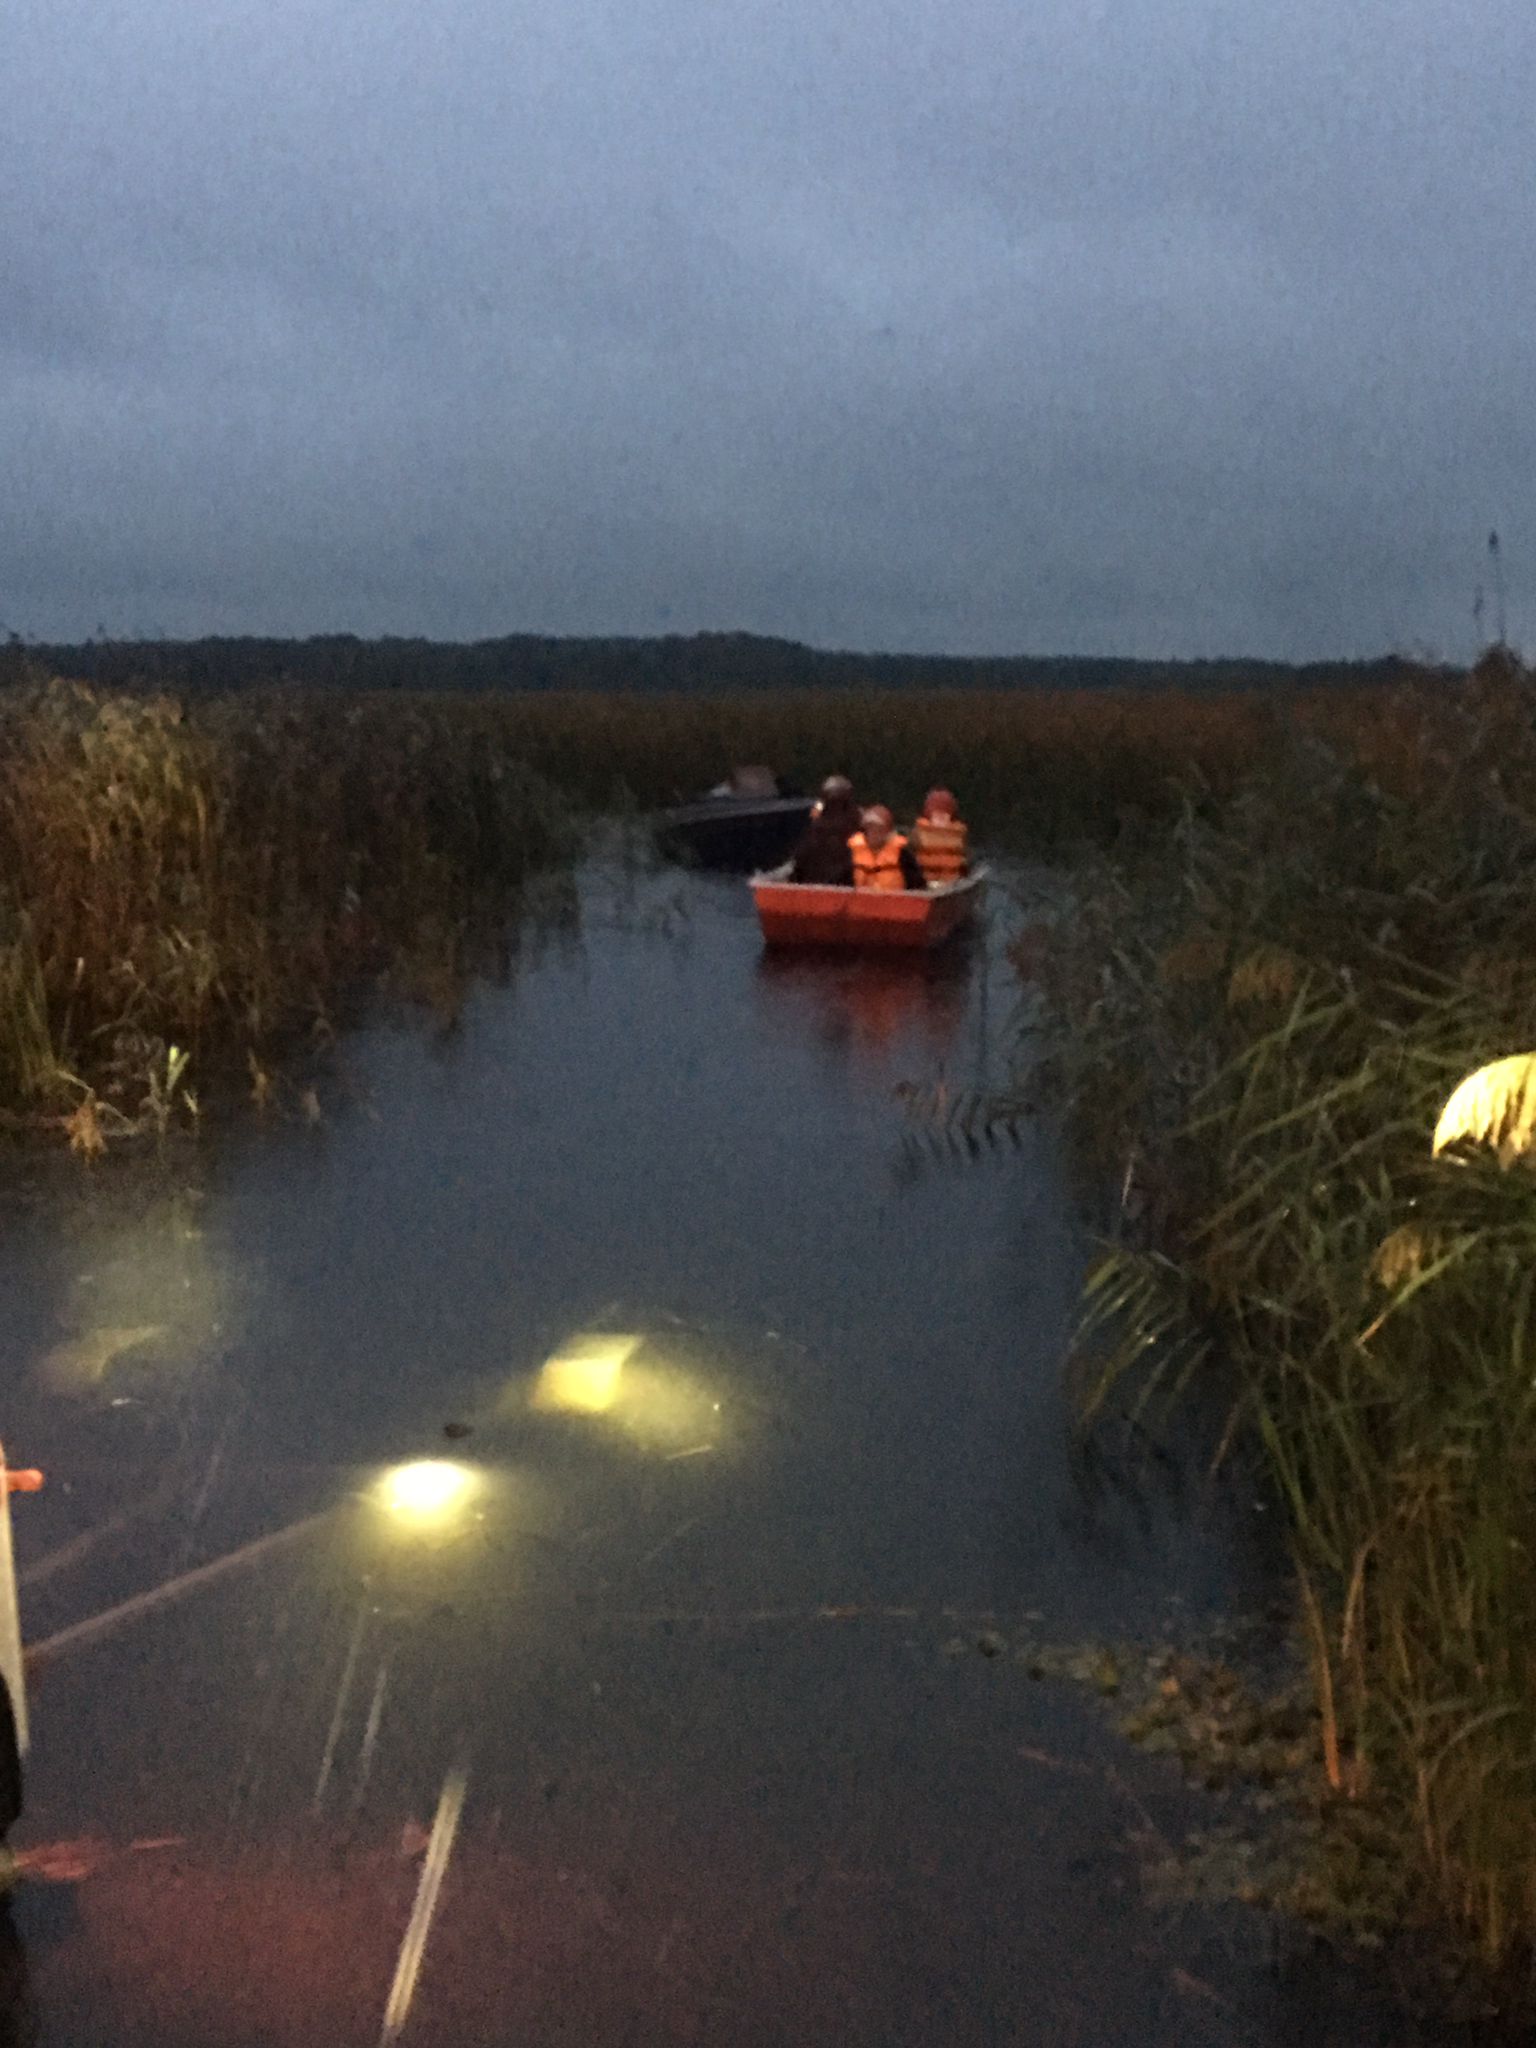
[728,832]
[911,920]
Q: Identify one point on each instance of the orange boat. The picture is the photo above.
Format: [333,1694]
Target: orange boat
[816,914]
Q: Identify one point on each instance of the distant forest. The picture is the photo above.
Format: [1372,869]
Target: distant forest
[700,663]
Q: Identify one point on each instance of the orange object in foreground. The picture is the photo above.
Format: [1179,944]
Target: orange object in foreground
[813,914]
[29,1480]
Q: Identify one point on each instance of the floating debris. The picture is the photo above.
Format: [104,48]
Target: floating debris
[1282,1842]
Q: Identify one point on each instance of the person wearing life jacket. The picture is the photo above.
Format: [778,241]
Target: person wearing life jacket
[882,859]
[939,838]
[822,854]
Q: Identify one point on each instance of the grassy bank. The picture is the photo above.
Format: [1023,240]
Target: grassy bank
[1263,1016]
[181,899]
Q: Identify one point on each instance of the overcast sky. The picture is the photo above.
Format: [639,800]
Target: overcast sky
[1157,327]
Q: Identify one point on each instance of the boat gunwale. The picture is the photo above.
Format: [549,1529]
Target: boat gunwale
[707,810]
[834,914]
[938,892]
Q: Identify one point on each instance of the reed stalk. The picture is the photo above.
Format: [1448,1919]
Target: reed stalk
[181,895]
[1275,1005]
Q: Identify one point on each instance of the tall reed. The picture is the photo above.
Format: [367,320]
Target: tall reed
[214,884]
[1041,770]
[1263,1021]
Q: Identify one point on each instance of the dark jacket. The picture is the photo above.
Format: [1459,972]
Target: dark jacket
[822,855]
[911,870]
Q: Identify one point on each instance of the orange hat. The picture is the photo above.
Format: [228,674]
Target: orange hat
[878,814]
[940,800]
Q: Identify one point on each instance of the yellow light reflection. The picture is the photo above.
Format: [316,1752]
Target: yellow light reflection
[665,1409]
[428,1492]
[656,1404]
[154,1301]
[587,1375]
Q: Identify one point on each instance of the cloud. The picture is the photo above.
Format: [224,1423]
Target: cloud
[1104,327]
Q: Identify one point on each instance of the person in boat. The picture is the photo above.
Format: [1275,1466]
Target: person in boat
[939,838]
[822,854]
[881,857]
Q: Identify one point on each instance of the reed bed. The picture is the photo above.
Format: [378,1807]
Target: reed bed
[1037,770]
[191,885]
[1263,1017]
[186,897]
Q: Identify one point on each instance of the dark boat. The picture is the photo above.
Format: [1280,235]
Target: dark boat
[748,823]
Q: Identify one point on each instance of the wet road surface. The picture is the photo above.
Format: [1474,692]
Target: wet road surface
[650,1712]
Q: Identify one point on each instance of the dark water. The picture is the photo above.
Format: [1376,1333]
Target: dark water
[686,1671]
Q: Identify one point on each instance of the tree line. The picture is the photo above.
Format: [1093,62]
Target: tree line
[699,662]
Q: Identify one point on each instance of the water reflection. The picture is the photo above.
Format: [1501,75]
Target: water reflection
[654,1400]
[79,1364]
[150,1302]
[586,1375]
[744,1422]
[867,1008]
[429,1493]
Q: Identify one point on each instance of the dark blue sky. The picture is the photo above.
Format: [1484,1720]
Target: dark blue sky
[977,325]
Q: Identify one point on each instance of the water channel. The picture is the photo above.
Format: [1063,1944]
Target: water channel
[652,1711]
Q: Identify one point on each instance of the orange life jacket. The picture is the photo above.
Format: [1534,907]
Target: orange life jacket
[882,870]
[940,847]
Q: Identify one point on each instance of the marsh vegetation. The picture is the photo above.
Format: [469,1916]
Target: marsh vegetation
[192,886]
[1259,1019]
[184,899]
[1295,925]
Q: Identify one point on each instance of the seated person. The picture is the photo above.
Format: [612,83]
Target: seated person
[882,859]
[822,855]
[939,838]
